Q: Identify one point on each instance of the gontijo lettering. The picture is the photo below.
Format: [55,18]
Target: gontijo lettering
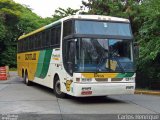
[30,56]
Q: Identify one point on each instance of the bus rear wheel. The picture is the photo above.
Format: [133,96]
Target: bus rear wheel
[57,89]
[27,81]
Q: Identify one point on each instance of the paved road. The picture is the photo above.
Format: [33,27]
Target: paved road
[17,98]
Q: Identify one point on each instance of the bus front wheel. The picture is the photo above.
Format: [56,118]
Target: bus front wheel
[57,89]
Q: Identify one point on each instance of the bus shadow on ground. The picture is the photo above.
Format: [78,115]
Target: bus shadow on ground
[84,100]
[96,99]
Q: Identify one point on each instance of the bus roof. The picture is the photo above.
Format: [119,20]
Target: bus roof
[89,17]
[96,17]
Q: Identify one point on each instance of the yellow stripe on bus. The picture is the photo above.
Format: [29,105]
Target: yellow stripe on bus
[31,33]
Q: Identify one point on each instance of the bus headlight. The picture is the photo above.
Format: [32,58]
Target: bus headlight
[86,79]
[130,79]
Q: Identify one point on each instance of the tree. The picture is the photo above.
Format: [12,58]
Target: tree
[149,40]
[60,13]
[15,20]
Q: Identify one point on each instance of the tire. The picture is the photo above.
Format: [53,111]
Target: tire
[23,76]
[57,89]
[27,81]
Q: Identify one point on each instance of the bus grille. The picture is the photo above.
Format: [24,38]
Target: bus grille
[116,79]
[101,79]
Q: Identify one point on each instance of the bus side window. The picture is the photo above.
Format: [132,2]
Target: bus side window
[58,34]
[22,45]
[27,44]
[68,28]
[19,45]
[37,41]
[53,36]
[34,42]
[43,39]
[40,39]
[47,38]
[30,43]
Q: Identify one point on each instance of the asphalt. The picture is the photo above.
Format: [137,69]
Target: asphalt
[39,103]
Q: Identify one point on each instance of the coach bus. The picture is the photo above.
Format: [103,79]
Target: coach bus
[80,55]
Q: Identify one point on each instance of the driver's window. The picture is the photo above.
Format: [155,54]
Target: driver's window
[70,57]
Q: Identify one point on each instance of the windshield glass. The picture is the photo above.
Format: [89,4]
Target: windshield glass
[103,28]
[98,55]
[89,54]
[121,58]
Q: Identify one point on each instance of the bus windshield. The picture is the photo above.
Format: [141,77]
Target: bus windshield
[103,28]
[100,55]
[100,46]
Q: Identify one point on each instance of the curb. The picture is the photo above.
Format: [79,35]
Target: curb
[147,92]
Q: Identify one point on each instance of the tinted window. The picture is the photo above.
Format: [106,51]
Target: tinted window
[53,36]
[48,38]
[38,41]
[41,40]
[22,45]
[58,34]
[67,28]
[34,42]
[103,28]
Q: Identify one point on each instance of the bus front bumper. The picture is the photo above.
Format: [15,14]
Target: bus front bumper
[102,89]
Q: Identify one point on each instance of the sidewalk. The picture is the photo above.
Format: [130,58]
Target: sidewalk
[147,92]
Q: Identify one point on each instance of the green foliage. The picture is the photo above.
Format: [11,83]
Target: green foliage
[60,13]
[149,39]
[2,29]
[15,20]
[149,33]
[9,56]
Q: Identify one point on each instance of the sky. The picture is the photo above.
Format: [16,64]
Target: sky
[46,8]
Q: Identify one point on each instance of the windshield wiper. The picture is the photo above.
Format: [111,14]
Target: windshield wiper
[101,60]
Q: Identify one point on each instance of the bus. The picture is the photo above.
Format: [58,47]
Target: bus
[80,55]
